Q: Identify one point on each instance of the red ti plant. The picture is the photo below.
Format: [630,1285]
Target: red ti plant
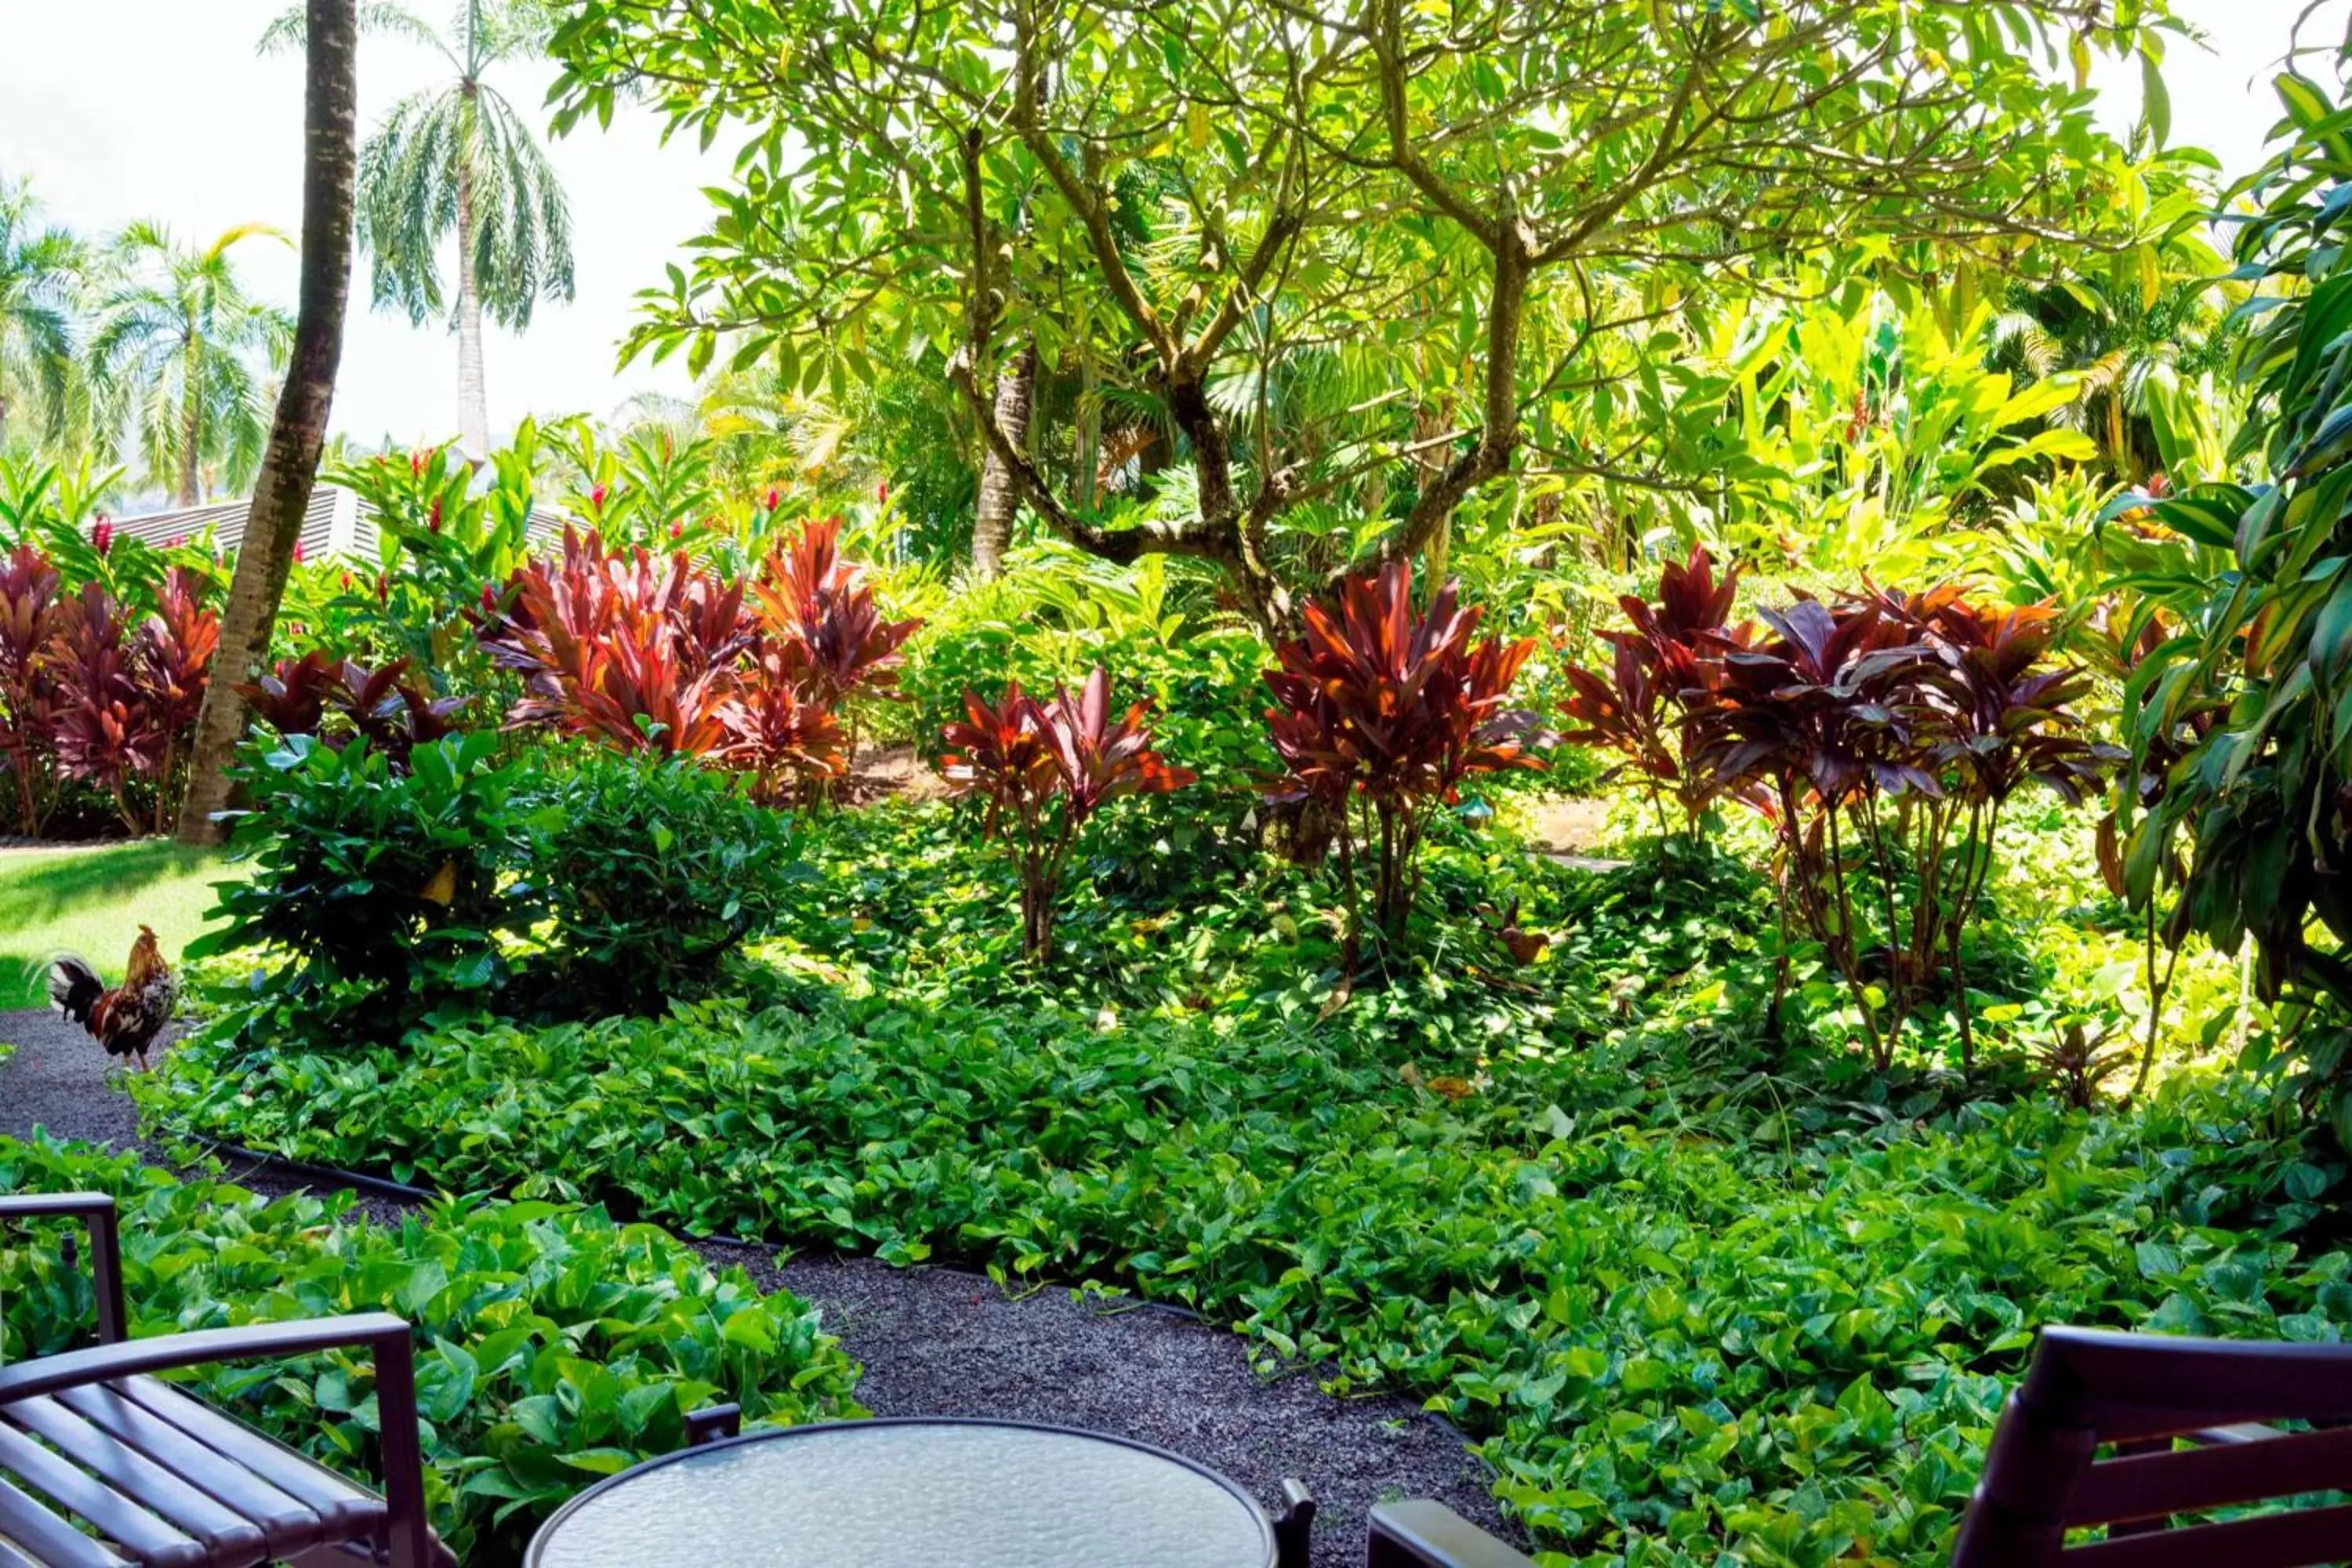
[97,723]
[822,644]
[171,658]
[313,695]
[626,647]
[28,616]
[780,735]
[1045,769]
[819,610]
[1662,674]
[1385,710]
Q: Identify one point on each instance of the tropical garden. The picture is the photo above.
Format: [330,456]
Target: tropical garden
[1623,717]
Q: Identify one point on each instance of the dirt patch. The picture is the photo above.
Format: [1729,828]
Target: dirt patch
[892,773]
[1566,826]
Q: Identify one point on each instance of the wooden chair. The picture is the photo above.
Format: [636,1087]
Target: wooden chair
[162,1479]
[2138,1393]
[1421,1534]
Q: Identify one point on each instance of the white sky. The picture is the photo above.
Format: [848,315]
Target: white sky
[120,109]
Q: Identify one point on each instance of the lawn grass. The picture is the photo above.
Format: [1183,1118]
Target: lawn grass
[92,901]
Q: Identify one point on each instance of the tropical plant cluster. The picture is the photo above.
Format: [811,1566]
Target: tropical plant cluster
[1881,734]
[389,883]
[554,1346]
[105,649]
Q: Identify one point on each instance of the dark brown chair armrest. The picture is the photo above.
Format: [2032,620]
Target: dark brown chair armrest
[96,1211]
[1422,1533]
[379,1332]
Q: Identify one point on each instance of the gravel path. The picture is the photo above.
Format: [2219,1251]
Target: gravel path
[938,1342]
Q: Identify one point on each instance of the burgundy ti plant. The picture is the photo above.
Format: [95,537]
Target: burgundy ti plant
[1662,674]
[1043,770]
[1381,712]
[28,617]
[315,695]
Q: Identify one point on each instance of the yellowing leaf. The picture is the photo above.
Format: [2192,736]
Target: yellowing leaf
[2035,401]
[442,889]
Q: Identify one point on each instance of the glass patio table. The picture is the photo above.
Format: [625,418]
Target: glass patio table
[912,1493]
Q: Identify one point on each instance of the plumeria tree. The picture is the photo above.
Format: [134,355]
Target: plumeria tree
[1435,213]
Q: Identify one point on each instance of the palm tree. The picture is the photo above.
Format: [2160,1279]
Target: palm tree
[39,269]
[2120,341]
[459,156]
[290,467]
[182,359]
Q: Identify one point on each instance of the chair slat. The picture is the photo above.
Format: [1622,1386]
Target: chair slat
[343,1507]
[2307,1538]
[2145,1486]
[50,1540]
[149,1540]
[225,1535]
[287,1525]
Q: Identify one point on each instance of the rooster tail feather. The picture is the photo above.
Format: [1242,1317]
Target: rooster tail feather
[75,988]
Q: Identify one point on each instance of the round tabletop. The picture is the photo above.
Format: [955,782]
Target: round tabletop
[911,1493]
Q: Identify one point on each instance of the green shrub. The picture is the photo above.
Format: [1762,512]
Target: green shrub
[375,891]
[650,872]
[555,1346]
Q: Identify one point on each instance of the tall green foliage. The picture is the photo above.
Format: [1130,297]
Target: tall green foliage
[459,158]
[40,267]
[2240,722]
[184,356]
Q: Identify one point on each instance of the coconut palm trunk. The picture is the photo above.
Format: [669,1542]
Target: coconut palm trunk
[473,398]
[296,435]
[192,414]
[1000,501]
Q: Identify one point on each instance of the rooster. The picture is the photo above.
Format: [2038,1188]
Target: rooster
[128,1019]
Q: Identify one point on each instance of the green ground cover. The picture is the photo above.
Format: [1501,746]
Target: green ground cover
[1698,1290]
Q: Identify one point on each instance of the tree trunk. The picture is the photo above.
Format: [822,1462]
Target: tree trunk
[1089,433]
[1000,499]
[192,414]
[281,495]
[473,410]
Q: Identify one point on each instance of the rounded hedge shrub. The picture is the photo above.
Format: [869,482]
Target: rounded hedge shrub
[647,872]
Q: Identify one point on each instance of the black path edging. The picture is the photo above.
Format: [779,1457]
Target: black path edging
[933,1338]
[1102,1301]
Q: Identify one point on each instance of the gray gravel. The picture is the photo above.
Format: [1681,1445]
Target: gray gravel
[938,1342]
